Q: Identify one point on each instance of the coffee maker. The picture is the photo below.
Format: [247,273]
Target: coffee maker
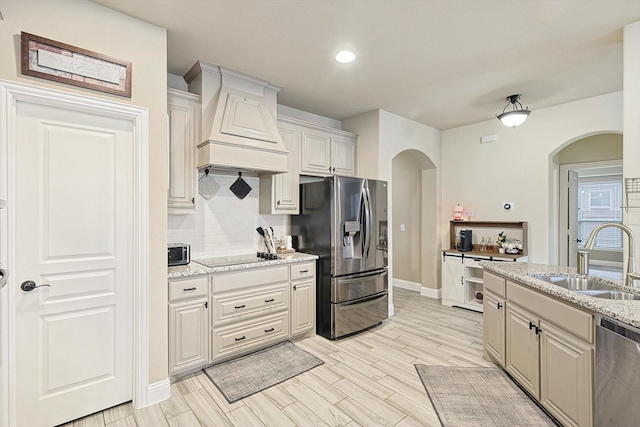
[466,244]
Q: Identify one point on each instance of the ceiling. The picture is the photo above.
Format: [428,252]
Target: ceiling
[444,63]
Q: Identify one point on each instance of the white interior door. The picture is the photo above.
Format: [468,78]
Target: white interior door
[572,218]
[74,217]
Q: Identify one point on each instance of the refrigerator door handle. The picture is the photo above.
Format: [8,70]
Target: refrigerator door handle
[359,277]
[368,224]
[368,300]
[362,217]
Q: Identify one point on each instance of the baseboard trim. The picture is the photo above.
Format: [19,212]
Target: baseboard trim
[158,392]
[431,293]
[405,284]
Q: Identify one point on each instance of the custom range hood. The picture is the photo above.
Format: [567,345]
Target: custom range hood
[239,128]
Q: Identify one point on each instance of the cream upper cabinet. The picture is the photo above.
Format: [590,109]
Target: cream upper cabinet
[183,110]
[326,151]
[315,156]
[279,193]
[343,156]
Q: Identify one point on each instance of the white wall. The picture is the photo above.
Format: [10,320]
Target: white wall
[407,205]
[294,113]
[87,25]
[367,126]
[383,136]
[631,136]
[596,148]
[517,167]
[225,225]
[430,250]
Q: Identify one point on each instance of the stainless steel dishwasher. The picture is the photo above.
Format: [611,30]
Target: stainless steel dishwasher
[617,373]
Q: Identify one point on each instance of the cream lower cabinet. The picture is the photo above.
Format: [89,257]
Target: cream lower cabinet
[494,317]
[188,324]
[303,298]
[452,280]
[550,353]
[251,310]
[522,347]
[256,307]
[219,316]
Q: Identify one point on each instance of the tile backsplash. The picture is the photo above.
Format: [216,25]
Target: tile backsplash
[225,225]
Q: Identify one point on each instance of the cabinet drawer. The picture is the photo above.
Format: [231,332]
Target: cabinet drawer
[495,284]
[238,279]
[243,336]
[191,287]
[305,270]
[232,306]
[570,318]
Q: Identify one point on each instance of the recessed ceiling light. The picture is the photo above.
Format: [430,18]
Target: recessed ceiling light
[345,57]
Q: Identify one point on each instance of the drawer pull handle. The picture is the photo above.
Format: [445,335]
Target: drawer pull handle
[269,330]
[531,326]
[499,306]
[269,300]
[240,306]
[241,338]
[304,271]
[188,289]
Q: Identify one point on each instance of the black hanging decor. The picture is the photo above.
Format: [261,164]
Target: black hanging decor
[240,188]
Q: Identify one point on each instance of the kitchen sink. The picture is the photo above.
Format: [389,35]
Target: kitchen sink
[588,286]
[576,283]
[617,295]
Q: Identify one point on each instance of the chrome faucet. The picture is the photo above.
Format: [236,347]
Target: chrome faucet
[632,268]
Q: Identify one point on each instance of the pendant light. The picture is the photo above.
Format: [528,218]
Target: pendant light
[517,115]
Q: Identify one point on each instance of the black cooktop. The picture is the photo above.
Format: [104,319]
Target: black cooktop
[229,260]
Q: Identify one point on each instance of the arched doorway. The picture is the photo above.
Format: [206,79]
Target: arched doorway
[590,192]
[415,239]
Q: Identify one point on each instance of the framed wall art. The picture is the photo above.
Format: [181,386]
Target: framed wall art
[63,63]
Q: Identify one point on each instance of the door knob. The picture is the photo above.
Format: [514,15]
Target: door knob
[3,277]
[30,285]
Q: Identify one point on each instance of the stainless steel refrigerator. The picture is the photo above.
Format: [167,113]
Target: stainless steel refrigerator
[343,220]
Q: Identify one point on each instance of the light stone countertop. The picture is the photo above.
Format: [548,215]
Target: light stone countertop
[626,311]
[194,269]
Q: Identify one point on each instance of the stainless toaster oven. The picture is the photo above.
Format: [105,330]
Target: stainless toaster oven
[179,254]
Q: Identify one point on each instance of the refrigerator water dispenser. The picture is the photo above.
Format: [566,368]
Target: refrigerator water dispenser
[351,228]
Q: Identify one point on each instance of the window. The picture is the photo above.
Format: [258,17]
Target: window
[600,199]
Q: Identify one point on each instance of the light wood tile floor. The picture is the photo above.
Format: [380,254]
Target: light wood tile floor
[366,380]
